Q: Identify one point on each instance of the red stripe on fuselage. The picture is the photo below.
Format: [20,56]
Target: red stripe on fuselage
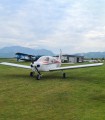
[48,63]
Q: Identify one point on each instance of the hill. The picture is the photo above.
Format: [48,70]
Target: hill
[93,54]
[9,52]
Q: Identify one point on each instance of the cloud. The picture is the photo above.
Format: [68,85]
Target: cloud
[74,26]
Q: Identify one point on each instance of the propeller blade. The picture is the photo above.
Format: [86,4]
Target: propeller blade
[37,70]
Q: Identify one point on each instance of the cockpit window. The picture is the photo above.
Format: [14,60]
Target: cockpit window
[45,59]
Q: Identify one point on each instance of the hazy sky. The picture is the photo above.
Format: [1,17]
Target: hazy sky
[71,25]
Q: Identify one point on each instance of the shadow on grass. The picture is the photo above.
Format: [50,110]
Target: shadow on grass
[98,97]
[16,76]
[45,76]
[72,75]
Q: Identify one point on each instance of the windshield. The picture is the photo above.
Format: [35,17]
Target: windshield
[41,59]
[47,59]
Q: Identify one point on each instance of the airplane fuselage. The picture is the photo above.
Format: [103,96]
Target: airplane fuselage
[46,63]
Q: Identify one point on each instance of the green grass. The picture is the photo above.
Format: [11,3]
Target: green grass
[81,96]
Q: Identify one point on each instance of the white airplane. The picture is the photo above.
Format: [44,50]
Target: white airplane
[48,63]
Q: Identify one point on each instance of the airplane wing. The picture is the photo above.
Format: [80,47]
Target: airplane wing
[15,65]
[77,66]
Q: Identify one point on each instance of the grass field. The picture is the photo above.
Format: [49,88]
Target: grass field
[81,96]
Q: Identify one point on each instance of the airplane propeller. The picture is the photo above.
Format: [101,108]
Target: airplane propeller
[39,74]
[35,67]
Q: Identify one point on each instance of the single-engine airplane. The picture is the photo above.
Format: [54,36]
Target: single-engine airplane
[48,63]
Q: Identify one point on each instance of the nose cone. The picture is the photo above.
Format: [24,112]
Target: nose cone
[36,64]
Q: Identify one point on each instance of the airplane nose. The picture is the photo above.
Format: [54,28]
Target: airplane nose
[38,65]
[31,65]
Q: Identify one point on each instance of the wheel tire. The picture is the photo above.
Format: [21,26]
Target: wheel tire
[64,75]
[38,77]
[31,74]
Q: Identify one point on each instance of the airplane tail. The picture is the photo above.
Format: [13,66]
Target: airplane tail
[60,56]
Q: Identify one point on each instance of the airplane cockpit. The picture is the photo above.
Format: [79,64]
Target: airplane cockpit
[43,59]
[47,59]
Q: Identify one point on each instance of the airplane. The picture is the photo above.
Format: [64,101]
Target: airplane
[48,63]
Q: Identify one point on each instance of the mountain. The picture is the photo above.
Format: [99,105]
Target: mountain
[9,52]
[93,54]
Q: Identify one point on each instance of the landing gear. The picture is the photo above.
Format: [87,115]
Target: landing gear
[38,77]
[64,75]
[31,74]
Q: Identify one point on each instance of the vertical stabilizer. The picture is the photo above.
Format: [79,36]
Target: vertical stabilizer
[60,56]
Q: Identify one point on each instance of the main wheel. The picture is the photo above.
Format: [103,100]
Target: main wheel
[64,75]
[38,77]
[31,74]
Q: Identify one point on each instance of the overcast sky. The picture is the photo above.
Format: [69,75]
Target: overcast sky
[71,25]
